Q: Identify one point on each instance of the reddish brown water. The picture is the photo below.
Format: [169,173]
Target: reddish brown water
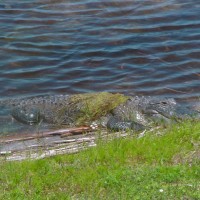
[148,47]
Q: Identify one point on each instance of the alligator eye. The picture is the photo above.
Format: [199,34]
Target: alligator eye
[164,102]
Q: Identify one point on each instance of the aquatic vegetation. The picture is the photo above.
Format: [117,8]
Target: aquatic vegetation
[96,105]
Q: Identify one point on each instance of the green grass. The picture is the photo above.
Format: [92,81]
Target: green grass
[152,167]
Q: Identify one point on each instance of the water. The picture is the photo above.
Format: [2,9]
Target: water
[145,47]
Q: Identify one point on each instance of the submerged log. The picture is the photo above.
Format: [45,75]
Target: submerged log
[51,143]
[62,146]
[59,132]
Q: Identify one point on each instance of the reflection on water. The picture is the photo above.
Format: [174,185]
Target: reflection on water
[139,46]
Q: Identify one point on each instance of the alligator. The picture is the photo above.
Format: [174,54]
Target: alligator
[114,111]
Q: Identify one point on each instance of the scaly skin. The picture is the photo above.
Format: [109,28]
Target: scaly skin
[36,109]
[148,111]
[136,113]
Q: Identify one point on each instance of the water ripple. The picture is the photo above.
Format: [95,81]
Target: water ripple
[141,47]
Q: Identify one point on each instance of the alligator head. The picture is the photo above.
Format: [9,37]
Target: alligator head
[148,110]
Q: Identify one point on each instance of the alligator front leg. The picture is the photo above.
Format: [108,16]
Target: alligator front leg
[119,125]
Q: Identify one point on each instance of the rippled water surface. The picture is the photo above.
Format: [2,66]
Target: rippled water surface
[148,47]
